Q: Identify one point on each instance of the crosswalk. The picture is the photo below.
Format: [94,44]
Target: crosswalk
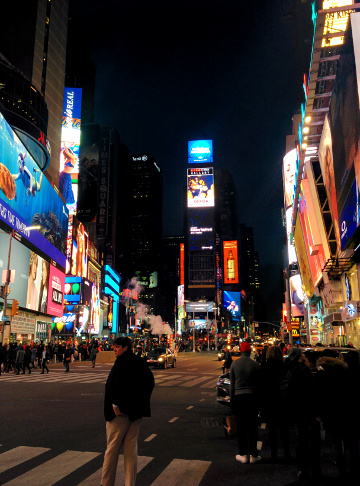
[161,379]
[60,466]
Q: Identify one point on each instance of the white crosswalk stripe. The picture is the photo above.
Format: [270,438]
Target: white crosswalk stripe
[178,473]
[52,471]
[161,380]
[95,479]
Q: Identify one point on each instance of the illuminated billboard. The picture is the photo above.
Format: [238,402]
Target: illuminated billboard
[232,302]
[200,151]
[79,257]
[349,215]
[201,230]
[327,169]
[70,145]
[38,284]
[56,290]
[200,192]
[27,198]
[231,262]
[335,22]
[315,252]
[289,176]
[304,266]
[182,264]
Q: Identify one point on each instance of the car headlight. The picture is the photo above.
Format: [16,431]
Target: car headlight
[161,359]
[219,355]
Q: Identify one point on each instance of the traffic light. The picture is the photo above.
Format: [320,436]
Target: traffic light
[15,308]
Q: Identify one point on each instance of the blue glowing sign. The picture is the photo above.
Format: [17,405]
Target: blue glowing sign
[232,303]
[200,151]
[349,217]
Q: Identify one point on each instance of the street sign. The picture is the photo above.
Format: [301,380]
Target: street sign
[5,318]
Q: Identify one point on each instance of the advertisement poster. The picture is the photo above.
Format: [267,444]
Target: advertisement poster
[56,291]
[200,193]
[27,198]
[70,144]
[232,303]
[200,151]
[231,263]
[19,261]
[37,290]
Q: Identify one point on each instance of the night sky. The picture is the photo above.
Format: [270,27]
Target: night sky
[173,71]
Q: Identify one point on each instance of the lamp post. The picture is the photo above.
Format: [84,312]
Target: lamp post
[193,329]
[215,322]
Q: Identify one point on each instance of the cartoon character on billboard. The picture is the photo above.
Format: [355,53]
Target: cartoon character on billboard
[65,183]
[30,184]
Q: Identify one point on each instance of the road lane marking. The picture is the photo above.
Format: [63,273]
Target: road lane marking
[173,419]
[189,408]
[202,400]
[95,479]
[181,471]
[151,437]
[52,471]
[195,382]
[20,454]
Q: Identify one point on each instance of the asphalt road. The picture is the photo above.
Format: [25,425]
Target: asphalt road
[52,431]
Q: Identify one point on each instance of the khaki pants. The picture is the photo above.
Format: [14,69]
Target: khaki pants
[121,432]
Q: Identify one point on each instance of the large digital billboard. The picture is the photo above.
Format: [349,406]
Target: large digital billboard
[79,256]
[38,284]
[327,169]
[349,215]
[231,262]
[70,144]
[200,192]
[201,230]
[232,302]
[289,176]
[27,198]
[200,151]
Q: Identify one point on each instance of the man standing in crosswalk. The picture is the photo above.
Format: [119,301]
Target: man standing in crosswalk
[127,399]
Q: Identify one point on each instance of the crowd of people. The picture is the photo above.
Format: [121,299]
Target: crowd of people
[18,358]
[308,391]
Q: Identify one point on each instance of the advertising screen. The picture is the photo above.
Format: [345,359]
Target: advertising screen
[182,263]
[37,291]
[200,192]
[232,303]
[27,198]
[201,231]
[70,144]
[349,215]
[303,261]
[231,262]
[181,296]
[315,253]
[289,176]
[56,291]
[79,262]
[327,169]
[200,151]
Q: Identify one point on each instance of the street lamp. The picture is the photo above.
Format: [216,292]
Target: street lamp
[7,280]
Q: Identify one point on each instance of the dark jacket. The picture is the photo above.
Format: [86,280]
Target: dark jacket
[129,386]
[245,376]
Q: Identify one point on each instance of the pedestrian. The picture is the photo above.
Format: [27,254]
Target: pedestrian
[273,405]
[2,356]
[44,360]
[67,358]
[33,355]
[227,361]
[299,385]
[39,350]
[93,352]
[245,380]
[332,391]
[27,359]
[19,361]
[127,399]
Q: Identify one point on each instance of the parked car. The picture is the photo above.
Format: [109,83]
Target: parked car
[161,357]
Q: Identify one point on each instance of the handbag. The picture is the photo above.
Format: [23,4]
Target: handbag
[230,425]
